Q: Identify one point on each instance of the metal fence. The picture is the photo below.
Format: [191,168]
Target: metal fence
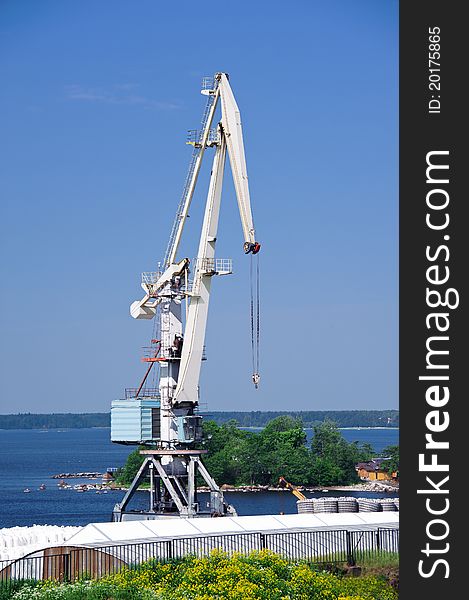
[314,546]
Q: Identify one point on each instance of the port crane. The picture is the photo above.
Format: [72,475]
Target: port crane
[165,419]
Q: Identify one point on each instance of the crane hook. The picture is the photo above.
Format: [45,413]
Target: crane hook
[255,379]
[249,247]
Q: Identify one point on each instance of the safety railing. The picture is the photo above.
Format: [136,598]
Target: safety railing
[131,393]
[151,277]
[217,266]
[194,137]
[208,83]
[313,546]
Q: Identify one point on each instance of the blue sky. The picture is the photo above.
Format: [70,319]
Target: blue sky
[97,98]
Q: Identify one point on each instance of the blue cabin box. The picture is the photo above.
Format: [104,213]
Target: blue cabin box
[135,420]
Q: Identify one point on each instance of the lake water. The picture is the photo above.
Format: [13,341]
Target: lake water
[29,458]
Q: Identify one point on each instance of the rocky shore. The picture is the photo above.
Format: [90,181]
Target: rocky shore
[84,475]
[366,486]
[371,486]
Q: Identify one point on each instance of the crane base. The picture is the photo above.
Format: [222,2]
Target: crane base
[173,492]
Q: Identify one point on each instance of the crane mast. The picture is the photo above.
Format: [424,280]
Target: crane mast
[165,419]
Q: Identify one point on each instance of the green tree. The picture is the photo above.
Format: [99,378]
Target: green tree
[283,452]
[325,472]
[391,464]
[228,449]
[241,457]
[238,457]
[134,461]
[284,423]
[334,458]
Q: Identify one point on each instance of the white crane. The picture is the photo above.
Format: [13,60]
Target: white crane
[166,418]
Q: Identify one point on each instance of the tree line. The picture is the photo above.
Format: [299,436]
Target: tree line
[55,421]
[343,418]
[240,457]
[310,418]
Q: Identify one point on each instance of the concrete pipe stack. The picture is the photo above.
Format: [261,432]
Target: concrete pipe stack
[368,505]
[388,505]
[347,505]
[305,506]
[326,505]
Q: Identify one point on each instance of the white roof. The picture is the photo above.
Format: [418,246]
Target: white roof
[171,527]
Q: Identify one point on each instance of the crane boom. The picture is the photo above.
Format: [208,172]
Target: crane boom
[230,137]
[205,268]
[232,129]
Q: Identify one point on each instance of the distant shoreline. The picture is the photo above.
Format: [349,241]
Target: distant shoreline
[344,419]
[364,427]
[311,427]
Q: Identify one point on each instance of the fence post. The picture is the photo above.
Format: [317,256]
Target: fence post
[66,567]
[169,550]
[262,541]
[378,540]
[350,555]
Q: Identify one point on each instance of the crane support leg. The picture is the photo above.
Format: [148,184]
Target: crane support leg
[179,485]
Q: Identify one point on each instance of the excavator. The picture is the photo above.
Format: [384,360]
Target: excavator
[295,491]
[164,419]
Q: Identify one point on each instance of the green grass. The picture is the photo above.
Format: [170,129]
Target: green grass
[386,560]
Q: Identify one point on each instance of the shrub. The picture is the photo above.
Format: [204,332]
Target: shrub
[81,590]
[8,588]
[262,575]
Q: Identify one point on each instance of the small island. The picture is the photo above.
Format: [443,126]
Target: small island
[240,459]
